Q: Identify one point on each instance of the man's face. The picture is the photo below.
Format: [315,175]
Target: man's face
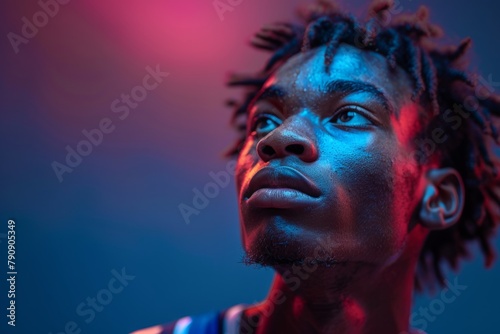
[337,150]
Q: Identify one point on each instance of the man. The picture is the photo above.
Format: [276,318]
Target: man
[365,162]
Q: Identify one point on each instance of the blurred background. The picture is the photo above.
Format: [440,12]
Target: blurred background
[117,210]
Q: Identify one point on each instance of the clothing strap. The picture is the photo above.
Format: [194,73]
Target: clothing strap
[232,319]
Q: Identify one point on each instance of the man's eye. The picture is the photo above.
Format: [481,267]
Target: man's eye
[350,117]
[263,124]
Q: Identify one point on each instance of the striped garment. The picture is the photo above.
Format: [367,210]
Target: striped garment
[224,322]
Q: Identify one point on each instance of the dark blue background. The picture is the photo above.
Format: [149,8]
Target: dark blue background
[119,208]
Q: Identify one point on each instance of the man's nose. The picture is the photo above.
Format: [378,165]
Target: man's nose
[294,137]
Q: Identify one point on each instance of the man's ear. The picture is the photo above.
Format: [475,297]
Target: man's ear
[443,200]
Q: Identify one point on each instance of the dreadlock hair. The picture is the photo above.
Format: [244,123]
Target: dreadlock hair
[440,83]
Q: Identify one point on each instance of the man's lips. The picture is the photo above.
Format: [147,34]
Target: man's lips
[281,187]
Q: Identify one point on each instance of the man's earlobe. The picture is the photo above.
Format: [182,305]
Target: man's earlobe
[443,199]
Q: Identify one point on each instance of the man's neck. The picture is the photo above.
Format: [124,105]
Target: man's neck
[339,299]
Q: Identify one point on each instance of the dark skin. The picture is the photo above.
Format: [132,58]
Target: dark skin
[344,252]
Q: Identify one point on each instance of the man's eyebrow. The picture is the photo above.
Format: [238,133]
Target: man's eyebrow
[337,87]
[346,87]
[271,92]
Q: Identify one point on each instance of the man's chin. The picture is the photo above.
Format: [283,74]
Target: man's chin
[281,260]
[274,246]
[269,251]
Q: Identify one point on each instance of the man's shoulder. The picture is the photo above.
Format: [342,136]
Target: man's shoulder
[215,322]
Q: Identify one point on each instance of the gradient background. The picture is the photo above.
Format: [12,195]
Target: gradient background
[119,207]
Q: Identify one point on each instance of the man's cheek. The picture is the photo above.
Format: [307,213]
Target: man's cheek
[371,182]
[244,165]
[239,176]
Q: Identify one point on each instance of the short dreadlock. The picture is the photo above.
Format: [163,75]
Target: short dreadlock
[440,83]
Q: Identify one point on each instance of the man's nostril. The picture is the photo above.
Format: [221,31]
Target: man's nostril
[296,149]
[268,150]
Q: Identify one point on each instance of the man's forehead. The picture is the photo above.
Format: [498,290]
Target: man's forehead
[309,67]
[305,72]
